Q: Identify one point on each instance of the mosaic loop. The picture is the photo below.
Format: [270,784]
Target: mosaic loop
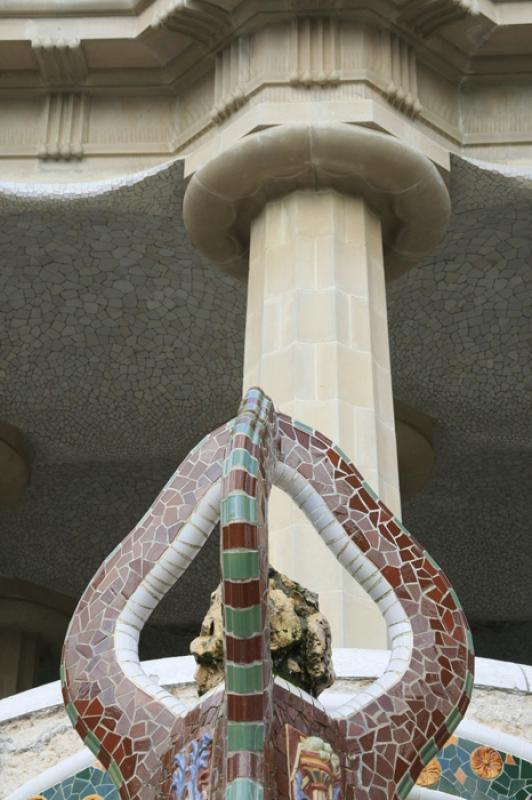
[376,745]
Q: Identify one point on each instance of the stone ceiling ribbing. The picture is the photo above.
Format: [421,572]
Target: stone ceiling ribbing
[121,347]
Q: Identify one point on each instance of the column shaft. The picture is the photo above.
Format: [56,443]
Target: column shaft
[317,342]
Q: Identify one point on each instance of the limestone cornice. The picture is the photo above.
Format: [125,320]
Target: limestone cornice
[30,8]
[190,77]
[61,62]
[457,32]
[400,185]
[426,17]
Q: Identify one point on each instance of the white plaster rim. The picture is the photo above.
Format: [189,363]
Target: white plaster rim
[79,191]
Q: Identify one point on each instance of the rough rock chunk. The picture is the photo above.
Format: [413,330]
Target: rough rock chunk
[300,638]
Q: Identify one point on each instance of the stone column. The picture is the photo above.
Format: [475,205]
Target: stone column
[319,216]
[317,342]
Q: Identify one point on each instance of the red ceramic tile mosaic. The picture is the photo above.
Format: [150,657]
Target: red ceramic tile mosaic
[136,730]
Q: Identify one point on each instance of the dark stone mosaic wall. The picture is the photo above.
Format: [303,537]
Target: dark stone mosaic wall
[113,329]
[460,338]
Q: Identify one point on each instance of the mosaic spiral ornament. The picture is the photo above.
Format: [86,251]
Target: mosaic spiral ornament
[257,736]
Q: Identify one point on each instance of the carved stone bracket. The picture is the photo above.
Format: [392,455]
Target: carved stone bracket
[426,18]
[61,62]
[316,51]
[232,72]
[197,19]
[402,88]
[65,123]
[403,188]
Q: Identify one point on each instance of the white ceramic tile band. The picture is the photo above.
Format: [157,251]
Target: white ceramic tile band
[365,573]
[421,793]
[153,588]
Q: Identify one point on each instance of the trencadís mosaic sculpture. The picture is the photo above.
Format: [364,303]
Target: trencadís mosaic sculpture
[258,736]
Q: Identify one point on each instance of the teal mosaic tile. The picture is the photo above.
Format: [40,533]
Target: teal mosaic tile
[478,772]
[90,782]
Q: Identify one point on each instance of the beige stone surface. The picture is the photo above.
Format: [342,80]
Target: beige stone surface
[78,77]
[505,711]
[316,341]
[33,743]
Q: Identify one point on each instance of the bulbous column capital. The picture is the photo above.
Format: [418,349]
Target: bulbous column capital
[399,184]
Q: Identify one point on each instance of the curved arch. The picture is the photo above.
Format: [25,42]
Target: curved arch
[427,684]
[127,721]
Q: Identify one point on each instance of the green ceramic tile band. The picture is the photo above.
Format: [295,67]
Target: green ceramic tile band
[241,459]
[428,751]
[92,743]
[115,774]
[240,565]
[243,678]
[238,508]
[247,736]
[302,427]
[243,622]
[244,789]
[72,713]
[405,785]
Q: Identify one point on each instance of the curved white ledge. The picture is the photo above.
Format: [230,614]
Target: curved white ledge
[154,586]
[402,186]
[421,793]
